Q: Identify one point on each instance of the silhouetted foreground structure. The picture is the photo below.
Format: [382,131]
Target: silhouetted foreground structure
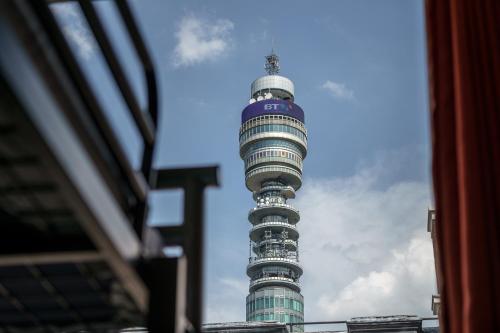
[74,251]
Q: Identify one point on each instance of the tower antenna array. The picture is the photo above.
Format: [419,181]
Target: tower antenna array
[272,63]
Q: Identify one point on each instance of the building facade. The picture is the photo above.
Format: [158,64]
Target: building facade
[273,144]
[372,324]
[431,227]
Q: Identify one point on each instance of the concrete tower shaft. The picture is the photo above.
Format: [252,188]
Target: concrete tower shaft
[273,145]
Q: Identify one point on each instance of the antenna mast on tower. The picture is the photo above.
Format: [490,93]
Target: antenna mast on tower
[272,63]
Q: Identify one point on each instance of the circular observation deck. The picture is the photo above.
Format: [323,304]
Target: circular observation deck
[272,155]
[279,86]
[257,232]
[248,140]
[257,264]
[256,214]
[274,281]
[255,177]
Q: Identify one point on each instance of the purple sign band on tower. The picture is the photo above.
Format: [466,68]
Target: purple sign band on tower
[272,107]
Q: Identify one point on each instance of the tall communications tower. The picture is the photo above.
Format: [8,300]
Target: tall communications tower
[273,144]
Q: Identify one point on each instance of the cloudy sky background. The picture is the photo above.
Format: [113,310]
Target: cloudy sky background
[360,75]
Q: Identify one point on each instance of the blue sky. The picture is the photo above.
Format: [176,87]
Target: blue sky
[360,76]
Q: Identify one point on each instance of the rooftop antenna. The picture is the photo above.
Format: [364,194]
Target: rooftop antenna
[272,63]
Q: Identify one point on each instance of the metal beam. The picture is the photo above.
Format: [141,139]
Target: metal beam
[178,178]
[50,258]
[144,121]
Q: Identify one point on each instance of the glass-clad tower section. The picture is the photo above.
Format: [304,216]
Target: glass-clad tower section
[273,144]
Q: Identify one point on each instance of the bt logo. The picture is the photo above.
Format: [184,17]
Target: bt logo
[276,107]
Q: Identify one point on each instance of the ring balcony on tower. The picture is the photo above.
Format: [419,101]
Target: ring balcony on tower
[258,263]
[286,191]
[256,214]
[257,176]
[279,281]
[258,231]
[247,138]
[289,244]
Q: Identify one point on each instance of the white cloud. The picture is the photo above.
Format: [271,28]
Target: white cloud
[364,247]
[239,286]
[74,28]
[226,300]
[402,286]
[259,37]
[338,90]
[199,40]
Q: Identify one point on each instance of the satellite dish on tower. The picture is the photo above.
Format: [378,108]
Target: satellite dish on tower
[268,95]
[260,98]
[252,100]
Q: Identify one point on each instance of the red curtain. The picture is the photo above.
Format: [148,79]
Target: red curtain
[464,71]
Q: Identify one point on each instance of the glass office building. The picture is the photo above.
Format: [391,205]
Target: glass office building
[273,144]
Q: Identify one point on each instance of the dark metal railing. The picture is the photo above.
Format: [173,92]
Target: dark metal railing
[145,120]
